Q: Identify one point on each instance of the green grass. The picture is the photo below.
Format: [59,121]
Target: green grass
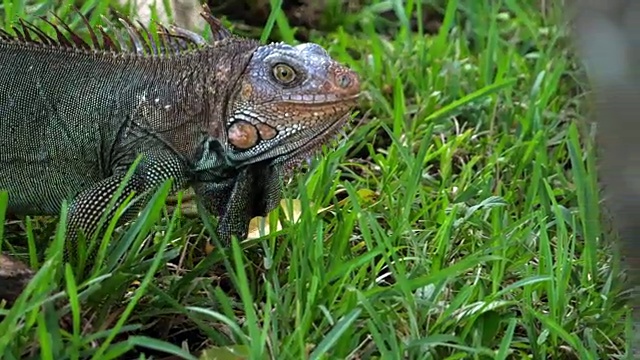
[463,219]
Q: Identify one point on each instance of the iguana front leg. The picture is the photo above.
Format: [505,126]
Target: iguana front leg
[86,209]
[254,191]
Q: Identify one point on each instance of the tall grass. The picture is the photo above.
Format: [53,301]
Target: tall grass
[458,220]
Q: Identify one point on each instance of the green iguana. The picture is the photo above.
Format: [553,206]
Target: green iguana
[227,117]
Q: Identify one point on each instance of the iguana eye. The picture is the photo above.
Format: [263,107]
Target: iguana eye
[284,73]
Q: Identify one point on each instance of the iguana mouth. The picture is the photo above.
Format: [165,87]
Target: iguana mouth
[317,100]
[315,142]
[290,158]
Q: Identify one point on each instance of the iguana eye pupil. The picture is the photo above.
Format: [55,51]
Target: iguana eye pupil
[284,73]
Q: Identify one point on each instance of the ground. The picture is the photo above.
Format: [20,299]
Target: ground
[458,216]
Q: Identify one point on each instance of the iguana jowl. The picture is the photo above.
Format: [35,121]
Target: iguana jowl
[226,117]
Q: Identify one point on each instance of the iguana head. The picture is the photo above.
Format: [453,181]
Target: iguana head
[288,102]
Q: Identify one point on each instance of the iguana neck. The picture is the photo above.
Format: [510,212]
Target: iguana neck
[209,79]
[219,69]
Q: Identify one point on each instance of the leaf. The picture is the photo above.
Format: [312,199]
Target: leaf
[260,225]
[234,352]
[365,196]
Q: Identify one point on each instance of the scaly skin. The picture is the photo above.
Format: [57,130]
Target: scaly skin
[227,118]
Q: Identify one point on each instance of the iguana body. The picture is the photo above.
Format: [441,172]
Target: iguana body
[225,118]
